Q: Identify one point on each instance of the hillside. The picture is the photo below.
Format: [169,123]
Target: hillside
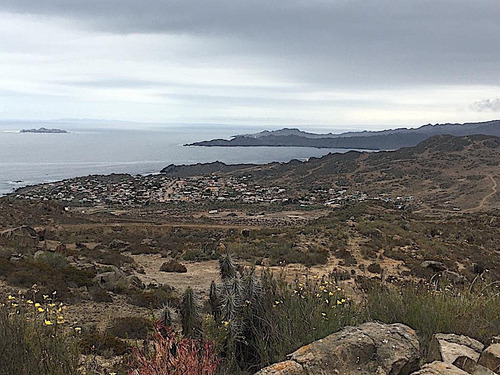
[376,140]
[442,171]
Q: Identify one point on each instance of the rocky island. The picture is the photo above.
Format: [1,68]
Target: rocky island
[44,131]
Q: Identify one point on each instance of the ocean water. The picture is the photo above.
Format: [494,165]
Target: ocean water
[28,158]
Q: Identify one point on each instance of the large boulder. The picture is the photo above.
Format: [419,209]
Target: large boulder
[24,236]
[114,280]
[371,348]
[173,266]
[440,368]
[490,358]
[447,347]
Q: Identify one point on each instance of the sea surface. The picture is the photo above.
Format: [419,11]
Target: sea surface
[29,158]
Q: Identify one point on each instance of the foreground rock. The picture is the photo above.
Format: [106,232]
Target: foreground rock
[440,368]
[448,347]
[371,348]
[490,358]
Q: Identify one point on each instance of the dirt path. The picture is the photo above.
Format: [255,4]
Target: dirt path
[488,196]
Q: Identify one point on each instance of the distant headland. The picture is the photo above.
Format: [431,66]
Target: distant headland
[375,140]
[44,131]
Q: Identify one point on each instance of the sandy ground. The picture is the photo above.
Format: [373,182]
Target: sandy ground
[199,275]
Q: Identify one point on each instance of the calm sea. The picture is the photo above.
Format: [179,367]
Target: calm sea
[27,158]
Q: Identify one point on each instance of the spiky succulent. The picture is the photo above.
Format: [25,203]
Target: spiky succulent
[189,314]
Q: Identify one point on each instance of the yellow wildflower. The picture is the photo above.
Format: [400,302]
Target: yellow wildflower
[10,298]
[45,296]
[37,304]
[40,310]
[78,329]
[47,322]
[29,301]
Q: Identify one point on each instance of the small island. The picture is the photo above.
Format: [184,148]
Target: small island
[44,131]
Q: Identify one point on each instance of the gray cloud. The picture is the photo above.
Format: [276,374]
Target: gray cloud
[486,105]
[338,42]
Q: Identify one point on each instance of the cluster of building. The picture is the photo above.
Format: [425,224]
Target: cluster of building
[127,190]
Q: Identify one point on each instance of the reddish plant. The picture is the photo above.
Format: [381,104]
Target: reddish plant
[174,355]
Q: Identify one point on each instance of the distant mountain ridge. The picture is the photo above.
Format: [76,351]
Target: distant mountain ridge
[375,140]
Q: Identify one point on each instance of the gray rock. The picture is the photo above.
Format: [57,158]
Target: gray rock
[114,280]
[371,348]
[433,265]
[490,358]
[149,242]
[118,244]
[448,347]
[480,370]
[283,368]
[454,277]
[24,236]
[440,368]
[471,367]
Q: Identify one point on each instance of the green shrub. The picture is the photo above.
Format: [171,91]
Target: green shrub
[49,278]
[100,295]
[53,260]
[130,327]
[93,341]
[154,298]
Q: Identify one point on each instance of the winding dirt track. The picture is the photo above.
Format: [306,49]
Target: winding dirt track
[488,196]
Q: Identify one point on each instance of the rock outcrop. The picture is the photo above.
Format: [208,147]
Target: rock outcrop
[490,358]
[371,348]
[448,347]
[24,237]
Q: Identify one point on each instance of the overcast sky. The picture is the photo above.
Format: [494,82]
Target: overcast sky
[331,63]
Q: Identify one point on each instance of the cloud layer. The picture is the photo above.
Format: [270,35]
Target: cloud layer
[283,61]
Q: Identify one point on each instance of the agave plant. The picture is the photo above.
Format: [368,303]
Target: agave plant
[227,267]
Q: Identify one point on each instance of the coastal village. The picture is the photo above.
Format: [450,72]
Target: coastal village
[131,191]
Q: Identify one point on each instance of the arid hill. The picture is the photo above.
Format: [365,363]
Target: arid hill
[461,172]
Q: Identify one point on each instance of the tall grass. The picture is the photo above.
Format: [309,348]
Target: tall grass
[471,312]
[31,344]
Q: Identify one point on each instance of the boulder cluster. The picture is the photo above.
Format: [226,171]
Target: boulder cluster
[389,349]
